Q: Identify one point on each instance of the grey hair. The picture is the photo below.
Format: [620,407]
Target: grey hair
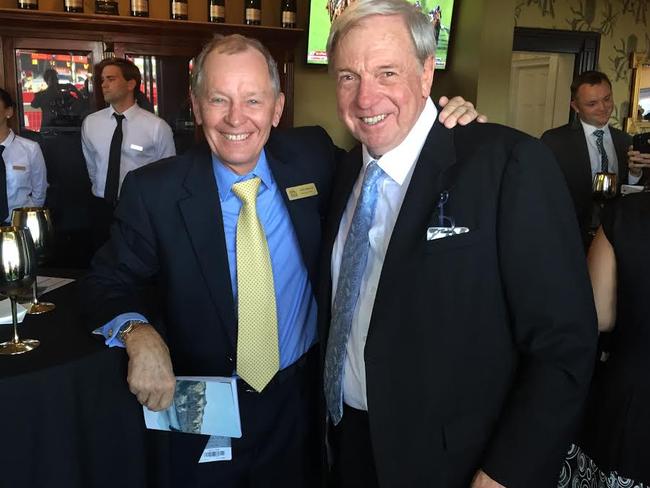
[418,24]
[232,44]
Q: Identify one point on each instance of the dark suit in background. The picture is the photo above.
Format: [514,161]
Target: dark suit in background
[169,233]
[569,146]
[481,345]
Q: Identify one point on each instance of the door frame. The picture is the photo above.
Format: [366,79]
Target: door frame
[584,45]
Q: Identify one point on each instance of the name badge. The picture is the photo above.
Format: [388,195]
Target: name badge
[18,167]
[302,191]
[137,148]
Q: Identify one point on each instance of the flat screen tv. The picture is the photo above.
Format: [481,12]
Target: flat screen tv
[321,13]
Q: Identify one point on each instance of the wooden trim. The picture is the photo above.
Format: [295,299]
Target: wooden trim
[140,36]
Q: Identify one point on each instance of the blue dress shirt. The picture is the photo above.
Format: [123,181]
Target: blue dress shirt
[296,306]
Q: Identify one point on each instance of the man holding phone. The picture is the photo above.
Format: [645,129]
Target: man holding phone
[589,145]
[639,156]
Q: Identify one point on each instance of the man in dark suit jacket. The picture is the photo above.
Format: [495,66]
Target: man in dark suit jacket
[461,329]
[176,227]
[576,147]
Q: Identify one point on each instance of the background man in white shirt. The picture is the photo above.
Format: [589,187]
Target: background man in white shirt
[137,137]
[23,166]
[576,147]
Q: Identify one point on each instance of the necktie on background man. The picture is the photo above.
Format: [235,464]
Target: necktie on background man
[604,160]
[353,265]
[4,205]
[112,187]
[258,355]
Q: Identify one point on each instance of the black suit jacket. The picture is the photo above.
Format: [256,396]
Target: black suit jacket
[481,345]
[569,145]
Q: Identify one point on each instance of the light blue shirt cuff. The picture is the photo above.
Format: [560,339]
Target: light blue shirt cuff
[110,329]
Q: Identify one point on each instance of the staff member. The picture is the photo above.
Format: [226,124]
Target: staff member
[119,139]
[23,177]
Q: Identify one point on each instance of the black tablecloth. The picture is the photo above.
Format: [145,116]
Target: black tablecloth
[67,418]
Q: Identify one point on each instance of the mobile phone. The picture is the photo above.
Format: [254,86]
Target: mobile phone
[641,142]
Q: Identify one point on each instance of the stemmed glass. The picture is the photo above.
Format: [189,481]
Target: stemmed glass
[17,273]
[37,220]
[604,186]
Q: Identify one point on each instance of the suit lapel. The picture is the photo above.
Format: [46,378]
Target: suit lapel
[621,147]
[583,162]
[434,172]
[201,211]
[304,215]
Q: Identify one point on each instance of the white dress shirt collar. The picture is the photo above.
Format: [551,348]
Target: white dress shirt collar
[9,139]
[589,129]
[398,162]
[129,113]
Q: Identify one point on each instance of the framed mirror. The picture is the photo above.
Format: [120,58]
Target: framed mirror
[639,118]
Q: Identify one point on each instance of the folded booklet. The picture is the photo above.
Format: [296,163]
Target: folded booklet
[202,405]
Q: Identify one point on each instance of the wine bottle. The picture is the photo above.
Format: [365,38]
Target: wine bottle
[107,7]
[217,11]
[288,13]
[139,8]
[28,4]
[178,9]
[73,6]
[253,12]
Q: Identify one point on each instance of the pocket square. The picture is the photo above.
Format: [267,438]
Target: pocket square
[434,233]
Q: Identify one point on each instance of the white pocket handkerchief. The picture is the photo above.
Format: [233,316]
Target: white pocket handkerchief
[434,233]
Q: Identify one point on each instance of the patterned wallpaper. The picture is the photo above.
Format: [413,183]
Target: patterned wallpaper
[623,25]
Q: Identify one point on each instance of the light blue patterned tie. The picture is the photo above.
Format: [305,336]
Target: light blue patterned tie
[353,264]
[604,160]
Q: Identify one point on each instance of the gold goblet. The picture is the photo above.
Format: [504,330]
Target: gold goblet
[604,186]
[17,273]
[37,220]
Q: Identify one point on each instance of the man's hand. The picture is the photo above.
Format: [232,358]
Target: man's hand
[457,110]
[637,161]
[482,480]
[151,377]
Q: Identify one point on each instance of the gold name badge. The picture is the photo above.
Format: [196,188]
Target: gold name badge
[302,191]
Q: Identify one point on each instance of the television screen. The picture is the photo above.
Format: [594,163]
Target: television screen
[322,12]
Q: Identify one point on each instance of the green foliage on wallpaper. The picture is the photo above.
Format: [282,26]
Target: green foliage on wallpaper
[623,25]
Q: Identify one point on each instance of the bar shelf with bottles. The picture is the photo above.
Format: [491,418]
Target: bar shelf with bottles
[224,12]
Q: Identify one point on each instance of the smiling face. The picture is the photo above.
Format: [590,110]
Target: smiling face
[381,88]
[237,107]
[594,103]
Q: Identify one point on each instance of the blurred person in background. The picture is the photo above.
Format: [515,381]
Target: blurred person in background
[612,448]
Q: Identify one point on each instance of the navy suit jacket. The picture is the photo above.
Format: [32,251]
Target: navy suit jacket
[481,345]
[168,236]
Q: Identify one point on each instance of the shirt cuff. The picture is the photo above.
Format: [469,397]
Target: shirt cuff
[633,180]
[110,329]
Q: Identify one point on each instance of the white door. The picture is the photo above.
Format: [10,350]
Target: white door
[540,91]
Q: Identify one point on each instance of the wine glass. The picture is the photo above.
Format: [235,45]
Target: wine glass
[37,220]
[17,273]
[604,186]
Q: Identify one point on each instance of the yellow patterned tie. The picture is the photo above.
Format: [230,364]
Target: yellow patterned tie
[258,356]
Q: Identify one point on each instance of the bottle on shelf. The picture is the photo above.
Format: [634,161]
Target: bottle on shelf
[107,7]
[178,9]
[28,4]
[253,12]
[139,8]
[288,13]
[73,6]
[217,11]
